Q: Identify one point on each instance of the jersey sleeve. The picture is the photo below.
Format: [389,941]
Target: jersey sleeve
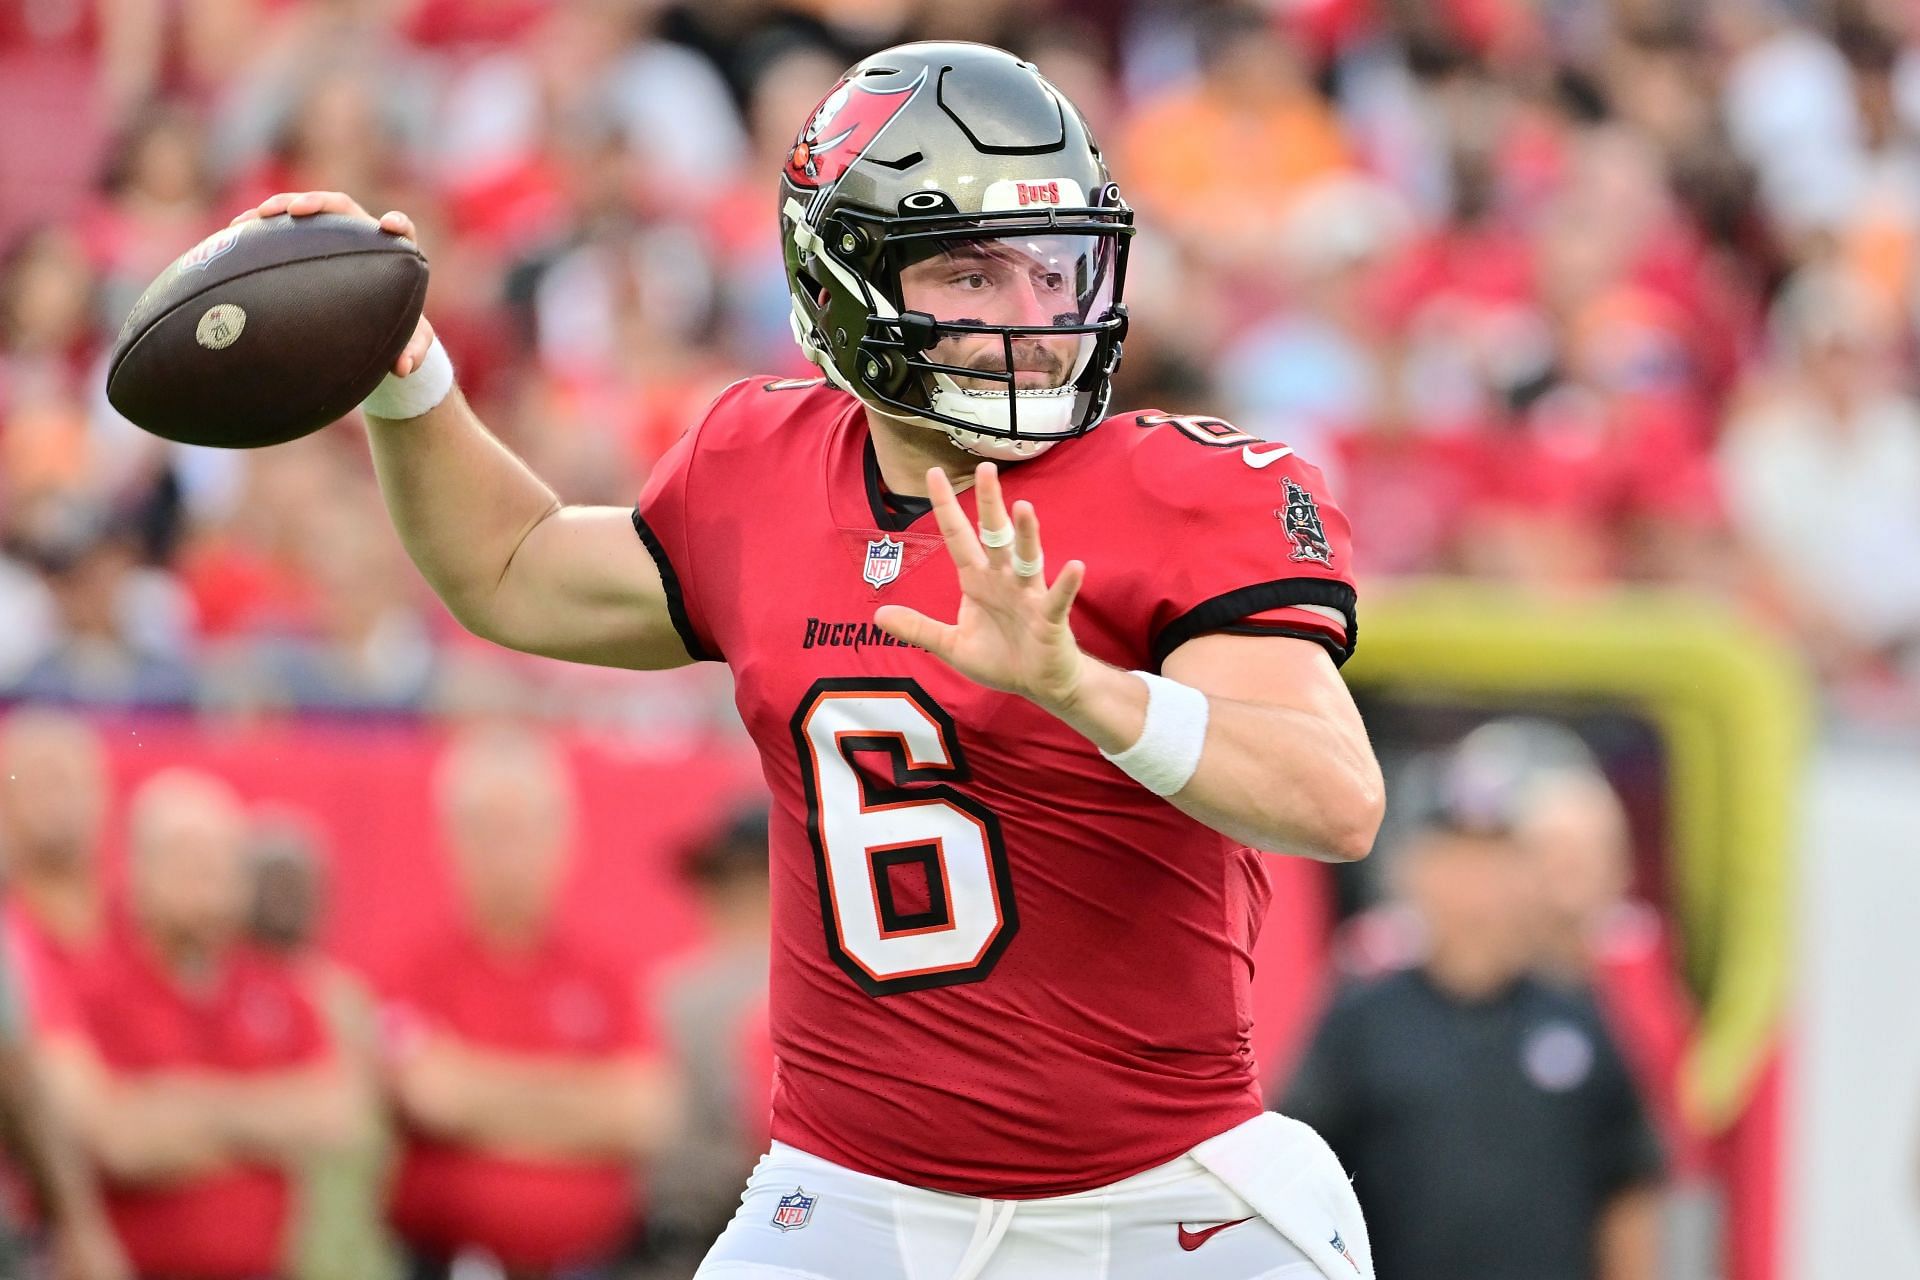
[661,520]
[1257,547]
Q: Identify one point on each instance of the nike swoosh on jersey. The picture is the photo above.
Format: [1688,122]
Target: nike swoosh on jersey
[1191,1240]
[1259,460]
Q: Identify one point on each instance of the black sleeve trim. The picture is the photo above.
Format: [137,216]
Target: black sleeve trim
[676,603]
[1321,638]
[1230,612]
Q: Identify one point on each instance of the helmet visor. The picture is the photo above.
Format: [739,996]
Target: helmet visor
[1035,298]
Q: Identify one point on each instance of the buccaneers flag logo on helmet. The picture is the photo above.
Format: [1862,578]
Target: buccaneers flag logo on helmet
[841,129]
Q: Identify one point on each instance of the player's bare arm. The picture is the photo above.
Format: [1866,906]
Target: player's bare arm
[1286,764]
[512,562]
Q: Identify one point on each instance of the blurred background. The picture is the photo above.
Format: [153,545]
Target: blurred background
[1600,316]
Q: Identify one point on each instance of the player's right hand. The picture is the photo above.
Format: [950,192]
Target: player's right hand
[304,204]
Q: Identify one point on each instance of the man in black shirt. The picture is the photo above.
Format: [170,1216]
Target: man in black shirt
[1490,1125]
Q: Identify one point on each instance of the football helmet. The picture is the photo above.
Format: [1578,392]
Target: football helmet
[954,178]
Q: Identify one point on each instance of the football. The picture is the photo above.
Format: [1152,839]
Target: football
[267,331]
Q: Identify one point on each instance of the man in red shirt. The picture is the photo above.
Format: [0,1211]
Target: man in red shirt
[53,787]
[39,1136]
[52,811]
[207,1071]
[520,1065]
[1014,873]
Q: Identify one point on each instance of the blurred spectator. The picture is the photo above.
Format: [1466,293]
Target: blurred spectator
[709,1006]
[1822,468]
[742,37]
[334,137]
[244,563]
[1598,938]
[288,889]
[1490,1125]
[65,60]
[1517,335]
[38,1135]
[747,259]
[1215,161]
[154,202]
[53,808]
[121,628]
[1791,114]
[47,338]
[363,643]
[520,1056]
[339,1215]
[1312,368]
[1560,342]
[207,1073]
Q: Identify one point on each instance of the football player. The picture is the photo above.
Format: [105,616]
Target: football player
[1015,886]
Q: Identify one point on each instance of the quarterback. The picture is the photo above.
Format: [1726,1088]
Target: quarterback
[1017,808]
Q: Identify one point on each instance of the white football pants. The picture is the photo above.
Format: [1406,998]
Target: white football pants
[804,1218]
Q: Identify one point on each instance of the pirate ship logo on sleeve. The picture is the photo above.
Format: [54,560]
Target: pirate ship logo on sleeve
[1301,519]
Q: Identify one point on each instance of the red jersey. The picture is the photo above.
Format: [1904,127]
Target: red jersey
[557,1002]
[258,1016]
[1000,966]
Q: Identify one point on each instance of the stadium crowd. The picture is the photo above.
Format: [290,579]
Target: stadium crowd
[1560,294]
[242,1106]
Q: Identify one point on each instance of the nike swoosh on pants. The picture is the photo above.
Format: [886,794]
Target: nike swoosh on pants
[1191,1240]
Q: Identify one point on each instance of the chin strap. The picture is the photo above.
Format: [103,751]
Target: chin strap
[996,448]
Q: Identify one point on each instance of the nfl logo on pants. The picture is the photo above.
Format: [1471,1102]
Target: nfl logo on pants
[794,1211]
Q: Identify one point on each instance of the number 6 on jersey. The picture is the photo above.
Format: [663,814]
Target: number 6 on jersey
[914,884]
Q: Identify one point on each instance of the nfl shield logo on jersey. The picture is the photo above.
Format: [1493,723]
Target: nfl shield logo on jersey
[883,562]
[794,1211]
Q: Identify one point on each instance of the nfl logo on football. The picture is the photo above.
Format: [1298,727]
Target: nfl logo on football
[883,562]
[794,1211]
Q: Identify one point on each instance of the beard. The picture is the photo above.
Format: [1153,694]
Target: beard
[1037,366]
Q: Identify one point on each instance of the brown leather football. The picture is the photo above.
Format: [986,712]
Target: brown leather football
[267,331]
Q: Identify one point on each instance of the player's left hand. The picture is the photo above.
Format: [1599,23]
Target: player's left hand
[1011,633]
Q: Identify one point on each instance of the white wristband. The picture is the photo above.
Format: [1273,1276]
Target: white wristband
[398,399]
[1168,752]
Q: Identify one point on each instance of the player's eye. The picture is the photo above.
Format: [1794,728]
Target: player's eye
[971,280]
[1053,281]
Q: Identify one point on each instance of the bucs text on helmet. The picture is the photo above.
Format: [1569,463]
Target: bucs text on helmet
[954,173]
